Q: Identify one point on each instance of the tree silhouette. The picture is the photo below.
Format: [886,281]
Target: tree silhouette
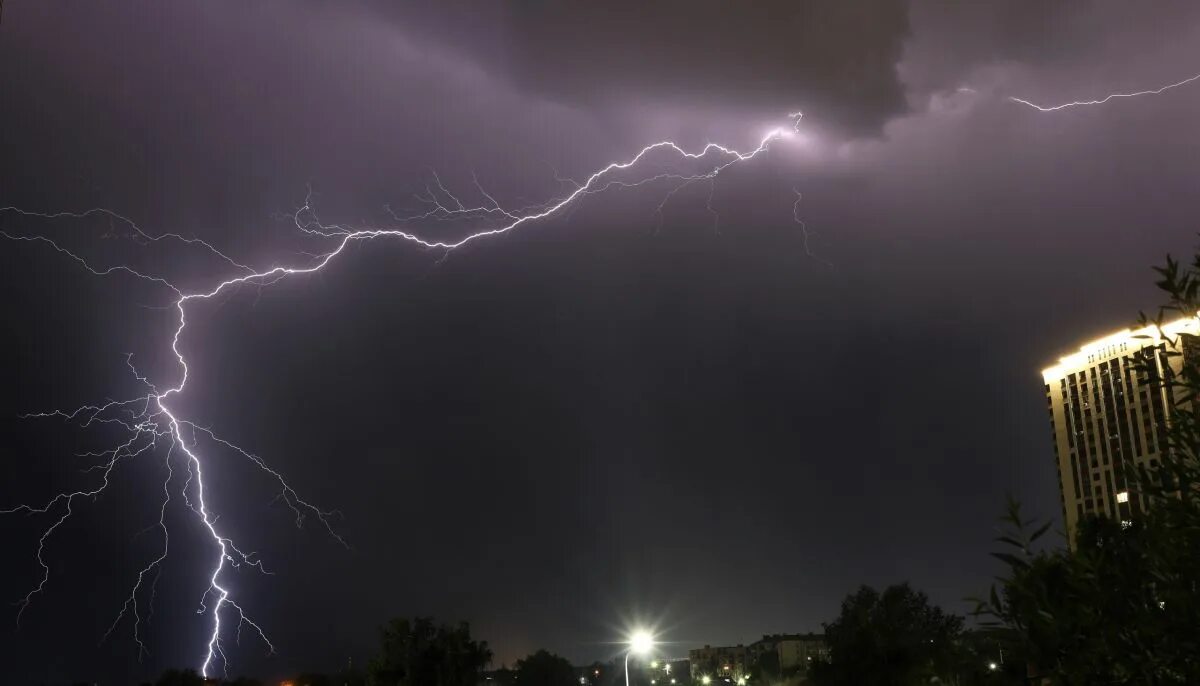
[1122,606]
[420,653]
[894,638]
[545,669]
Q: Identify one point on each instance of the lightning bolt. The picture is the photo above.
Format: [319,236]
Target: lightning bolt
[150,419]
[1111,96]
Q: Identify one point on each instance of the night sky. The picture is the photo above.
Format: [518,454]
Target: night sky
[613,415]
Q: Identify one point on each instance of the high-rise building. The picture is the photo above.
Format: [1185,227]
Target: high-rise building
[1107,417]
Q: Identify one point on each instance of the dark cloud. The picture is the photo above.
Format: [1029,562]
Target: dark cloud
[831,58]
[953,39]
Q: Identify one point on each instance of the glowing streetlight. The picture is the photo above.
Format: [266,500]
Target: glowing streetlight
[993,666]
[706,680]
[640,643]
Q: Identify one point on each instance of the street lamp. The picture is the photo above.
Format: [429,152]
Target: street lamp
[640,643]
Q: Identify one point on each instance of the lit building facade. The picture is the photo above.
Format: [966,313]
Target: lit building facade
[792,651]
[735,664]
[1106,418]
[719,663]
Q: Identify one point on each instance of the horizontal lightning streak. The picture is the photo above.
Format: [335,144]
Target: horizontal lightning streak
[1111,96]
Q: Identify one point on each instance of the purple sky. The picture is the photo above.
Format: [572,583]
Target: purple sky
[612,413]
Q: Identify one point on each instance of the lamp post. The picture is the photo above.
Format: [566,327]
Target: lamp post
[640,643]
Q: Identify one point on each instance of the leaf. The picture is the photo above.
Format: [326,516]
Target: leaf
[1011,560]
[1040,532]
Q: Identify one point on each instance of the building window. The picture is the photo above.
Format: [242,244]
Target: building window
[1123,497]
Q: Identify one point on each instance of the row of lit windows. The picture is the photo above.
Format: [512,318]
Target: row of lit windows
[1107,351]
[1119,424]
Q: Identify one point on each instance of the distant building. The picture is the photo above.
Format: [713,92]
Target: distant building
[666,672]
[782,653]
[497,677]
[1106,418]
[793,651]
[720,662]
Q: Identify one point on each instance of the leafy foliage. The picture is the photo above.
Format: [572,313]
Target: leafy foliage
[420,653]
[545,669]
[893,638]
[1122,606]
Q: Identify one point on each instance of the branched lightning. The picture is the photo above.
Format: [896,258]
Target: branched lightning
[1110,96]
[805,232]
[150,420]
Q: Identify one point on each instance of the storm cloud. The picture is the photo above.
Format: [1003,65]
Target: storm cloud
[581,421]
[834,59]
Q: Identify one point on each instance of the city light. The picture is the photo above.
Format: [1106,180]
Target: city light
[641,643]
[1121,341]
[993,666]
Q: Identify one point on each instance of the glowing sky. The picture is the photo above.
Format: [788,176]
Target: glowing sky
[615,412]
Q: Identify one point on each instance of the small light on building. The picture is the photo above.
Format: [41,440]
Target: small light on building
[1123,497]
[706,680]
[993,666]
